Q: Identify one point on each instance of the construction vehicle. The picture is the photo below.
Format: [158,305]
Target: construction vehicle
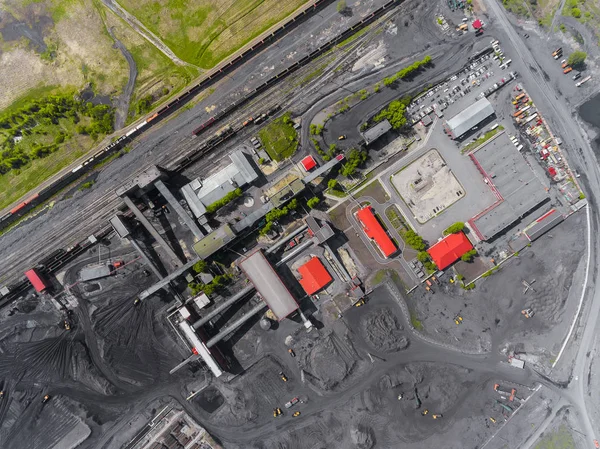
[283,376]
[67,325]
[452,280]
[458,319]
[342,137]
[136,301]
[492,420]
[291,352]
[46,399]
[276,412]
[400,396]
[437,416]
[296,414]
[527,313]
[1,394]
[291,402]
[557,51]
[424,412]
[500,389]
[118,264]
[359,303]
[567,70]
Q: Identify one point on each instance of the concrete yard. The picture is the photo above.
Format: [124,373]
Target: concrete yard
[428,186]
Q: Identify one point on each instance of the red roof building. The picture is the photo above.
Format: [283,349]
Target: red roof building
[477,24]
[449,249]
[36,280]
[314,276]
[375,231]
[308,163]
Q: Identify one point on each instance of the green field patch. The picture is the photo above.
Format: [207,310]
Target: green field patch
[279,138]
[205,32]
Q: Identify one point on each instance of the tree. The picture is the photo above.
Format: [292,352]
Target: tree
[576,12]
[455,228]
[577,59]
[354,160]
[468,256]
[423,256]
[394,113]
[332,184]
[292,205]
[313,202]
[200,267]
[414,240]
[341,6]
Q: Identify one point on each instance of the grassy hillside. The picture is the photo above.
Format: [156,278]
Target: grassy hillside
[204,32]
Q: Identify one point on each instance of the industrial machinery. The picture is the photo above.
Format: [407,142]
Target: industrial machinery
[276,412]
[296,414]
[527,313]
[283,376]
[360,302]
[46,399]
[458,319]
[437,416]
[425,412]
[292,353]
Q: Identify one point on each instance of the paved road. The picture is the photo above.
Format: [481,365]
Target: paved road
[561,119]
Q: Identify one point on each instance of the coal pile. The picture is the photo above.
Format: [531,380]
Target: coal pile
[382,331]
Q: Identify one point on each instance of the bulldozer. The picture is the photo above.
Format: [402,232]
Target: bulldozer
[527,313]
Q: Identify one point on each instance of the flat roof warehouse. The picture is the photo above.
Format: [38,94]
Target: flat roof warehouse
[268,284]
[465,120]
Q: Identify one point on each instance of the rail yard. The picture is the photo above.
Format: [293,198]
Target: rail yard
[372,229]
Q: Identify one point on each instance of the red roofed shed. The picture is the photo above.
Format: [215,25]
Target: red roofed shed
[314,276]
[308,163]
[449,249]
[36,280]
[477,24]
[375,231]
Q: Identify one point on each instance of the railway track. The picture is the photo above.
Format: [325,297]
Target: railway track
[80,224]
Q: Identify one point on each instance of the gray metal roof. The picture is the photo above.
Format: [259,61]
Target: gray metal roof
[520,188]
[268,284]
[470,117]
[202,192]
[543,226]
[376,131]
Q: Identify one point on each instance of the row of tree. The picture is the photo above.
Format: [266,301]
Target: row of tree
[407,71]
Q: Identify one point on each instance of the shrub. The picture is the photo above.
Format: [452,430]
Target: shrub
[414,240]
[200,267]
[224,201]
[454,228]
[313,202]
[468,256]
[423,256]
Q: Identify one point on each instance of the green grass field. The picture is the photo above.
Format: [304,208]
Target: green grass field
[204,32]
[17,183]
[279,138]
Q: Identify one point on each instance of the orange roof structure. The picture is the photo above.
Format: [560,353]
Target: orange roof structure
[375,231]
[36,280]
[314,276]
[449,249]
[308,163]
